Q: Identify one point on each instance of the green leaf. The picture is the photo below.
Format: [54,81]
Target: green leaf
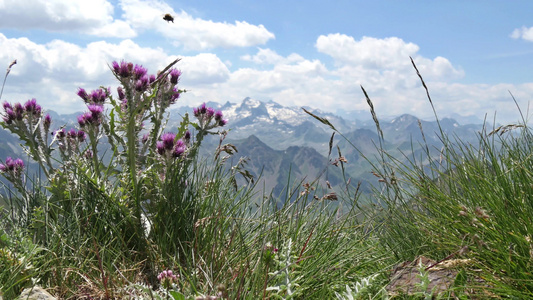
[177,295]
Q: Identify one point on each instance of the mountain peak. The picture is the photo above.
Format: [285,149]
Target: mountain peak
[405,118]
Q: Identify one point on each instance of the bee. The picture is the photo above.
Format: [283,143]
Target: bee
[168,18]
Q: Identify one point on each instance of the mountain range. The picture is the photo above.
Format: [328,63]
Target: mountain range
[285,145]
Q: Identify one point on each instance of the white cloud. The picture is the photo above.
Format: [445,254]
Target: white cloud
[204,68]
[523,33]
[270,57]
[192,33]
[383,55]
[52,72]
[92,17]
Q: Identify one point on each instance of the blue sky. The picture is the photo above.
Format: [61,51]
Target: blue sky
[312,53]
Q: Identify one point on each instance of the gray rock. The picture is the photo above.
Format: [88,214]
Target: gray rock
[36,293]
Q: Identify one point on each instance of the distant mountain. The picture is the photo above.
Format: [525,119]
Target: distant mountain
[279,168]
[278,138]
[276,125]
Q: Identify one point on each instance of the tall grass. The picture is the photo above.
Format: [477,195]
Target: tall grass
[461,201]
[103,226]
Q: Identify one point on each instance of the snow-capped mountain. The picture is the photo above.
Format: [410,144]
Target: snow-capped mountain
[276,125]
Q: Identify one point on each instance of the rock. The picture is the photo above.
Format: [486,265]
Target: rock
[36,293]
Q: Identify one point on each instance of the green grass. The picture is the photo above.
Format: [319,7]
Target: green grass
[81,237]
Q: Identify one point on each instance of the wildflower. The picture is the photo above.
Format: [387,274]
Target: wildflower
[83,94]
[174,76]
[210,112]
[9,117]
[168,140]
[19,111]
[152,78]
[31,107]
[121,94]
[12,166]
[96,111]
[138,72]
[175,95]
[142,84]
[179,149]
[76,135]
[160,147]
[123,69]
[197,111]
[218,118]
[82,119]
[7,105]
[187,137]
[169,146]
[46,122]
[92,117]
[205,115]
[72,133]
[167,278]
[59,134]
[98,96]
[81,136]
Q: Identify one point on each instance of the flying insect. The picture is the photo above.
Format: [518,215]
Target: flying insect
[168,18]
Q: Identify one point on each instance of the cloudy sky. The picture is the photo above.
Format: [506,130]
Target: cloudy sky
[472,54]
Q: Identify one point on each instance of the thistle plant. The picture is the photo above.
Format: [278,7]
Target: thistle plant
[108,191]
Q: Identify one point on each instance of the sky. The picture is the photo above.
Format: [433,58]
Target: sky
[474,56]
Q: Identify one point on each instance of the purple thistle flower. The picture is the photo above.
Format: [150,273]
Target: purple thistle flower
[9,116]
[187,136]
[202,108]
[121,94]
[60,134]
[168,140]
[141,85]
[46,122]
[115,66]
[72,133]
[19,111]
[82,119]
[152,78]
[7,105]
[32,107]
[174,76]
[175,95]
[179,149]
[222,122]
[218,115]
[138,72]
[81,136]
[13,166]
[83,94]
[97,96]
[210,112]
[123,69]
[160,147]
[96,110]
